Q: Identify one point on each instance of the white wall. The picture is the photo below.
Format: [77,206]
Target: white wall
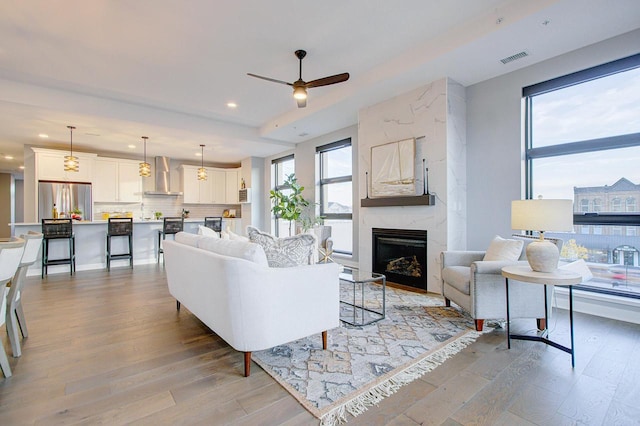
[495,134]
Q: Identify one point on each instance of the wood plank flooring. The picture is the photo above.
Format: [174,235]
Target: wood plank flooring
[110,348]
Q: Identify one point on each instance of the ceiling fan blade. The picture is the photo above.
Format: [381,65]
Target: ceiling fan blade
[301,103]
[269,79]
[338,78]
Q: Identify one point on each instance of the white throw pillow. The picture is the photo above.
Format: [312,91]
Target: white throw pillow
[188,238]
[248,251]
[207,232]
[503,249]
[284,252]
[237,237]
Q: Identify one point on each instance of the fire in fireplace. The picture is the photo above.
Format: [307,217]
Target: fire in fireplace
[401,254]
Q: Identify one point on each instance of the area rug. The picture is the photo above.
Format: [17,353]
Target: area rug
[364,364]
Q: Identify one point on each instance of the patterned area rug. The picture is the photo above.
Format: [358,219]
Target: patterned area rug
[364,364]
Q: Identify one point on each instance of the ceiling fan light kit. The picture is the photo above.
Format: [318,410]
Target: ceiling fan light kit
[300,86]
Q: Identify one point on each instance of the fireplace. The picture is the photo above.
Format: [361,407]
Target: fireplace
[401,255]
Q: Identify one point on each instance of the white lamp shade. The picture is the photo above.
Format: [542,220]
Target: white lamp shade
[542,215]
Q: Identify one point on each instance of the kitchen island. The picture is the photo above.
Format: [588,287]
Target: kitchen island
[91,243]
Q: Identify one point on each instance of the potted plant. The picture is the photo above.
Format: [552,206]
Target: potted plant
[289,204]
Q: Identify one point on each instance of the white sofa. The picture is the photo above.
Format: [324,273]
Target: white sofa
[229,286]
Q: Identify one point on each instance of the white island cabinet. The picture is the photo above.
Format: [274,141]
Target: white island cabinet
[91,243]
[117,181]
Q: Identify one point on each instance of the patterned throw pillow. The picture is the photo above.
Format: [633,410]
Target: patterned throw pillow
[284,252]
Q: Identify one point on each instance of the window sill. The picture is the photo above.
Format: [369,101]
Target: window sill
[598,304]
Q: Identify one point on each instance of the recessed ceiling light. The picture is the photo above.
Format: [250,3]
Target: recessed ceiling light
[43,135]
[8,157]
[131,146]
[21,167]
[232,105]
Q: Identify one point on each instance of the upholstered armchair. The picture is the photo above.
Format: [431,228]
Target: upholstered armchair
[478,287]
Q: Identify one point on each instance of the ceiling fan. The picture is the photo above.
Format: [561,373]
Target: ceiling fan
[300,86]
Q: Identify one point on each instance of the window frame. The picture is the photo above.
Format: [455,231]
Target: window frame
[322,181]
[276,186]
[582,220]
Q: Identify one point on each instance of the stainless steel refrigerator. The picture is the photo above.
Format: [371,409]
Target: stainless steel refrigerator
[67,196]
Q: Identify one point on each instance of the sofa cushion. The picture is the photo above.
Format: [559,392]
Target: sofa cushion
[240,249]
[458,277]
[504,249]
[207,232]
[188,238]
[284,252]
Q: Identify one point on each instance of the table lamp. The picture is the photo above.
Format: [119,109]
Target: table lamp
[542,215]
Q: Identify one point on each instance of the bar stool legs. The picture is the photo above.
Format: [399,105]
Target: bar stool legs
[128,255]
[46,261]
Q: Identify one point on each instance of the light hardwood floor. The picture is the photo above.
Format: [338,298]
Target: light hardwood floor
[110,348]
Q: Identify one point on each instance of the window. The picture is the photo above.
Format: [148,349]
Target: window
[280,169]
[336,195]
[583,143]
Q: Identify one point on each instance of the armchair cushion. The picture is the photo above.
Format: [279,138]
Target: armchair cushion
[457,277]
[503,249]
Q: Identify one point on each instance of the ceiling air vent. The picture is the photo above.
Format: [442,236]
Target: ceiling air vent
[515,57]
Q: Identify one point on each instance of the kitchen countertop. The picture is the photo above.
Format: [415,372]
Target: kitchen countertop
[103,222]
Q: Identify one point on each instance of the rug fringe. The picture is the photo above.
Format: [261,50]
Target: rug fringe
[373,396]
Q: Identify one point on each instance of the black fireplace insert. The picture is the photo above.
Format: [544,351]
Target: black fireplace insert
[401,255]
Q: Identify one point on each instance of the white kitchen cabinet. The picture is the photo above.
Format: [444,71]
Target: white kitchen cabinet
[218,186]
[117,181]
[196,191]
[50,166]
[231,187]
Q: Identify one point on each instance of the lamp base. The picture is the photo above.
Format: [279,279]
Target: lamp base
[543,256]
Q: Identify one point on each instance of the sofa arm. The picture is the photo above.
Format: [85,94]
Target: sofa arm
[460,258]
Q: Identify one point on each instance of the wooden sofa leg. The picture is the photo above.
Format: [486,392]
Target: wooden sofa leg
[479,324]
[542,323]
[447,302]
[247,364]
[324,340]
[177,305]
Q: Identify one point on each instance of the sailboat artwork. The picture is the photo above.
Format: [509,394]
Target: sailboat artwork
[393,169]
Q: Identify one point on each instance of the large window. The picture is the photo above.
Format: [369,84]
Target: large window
[336,195]
[280,169]
[583,143]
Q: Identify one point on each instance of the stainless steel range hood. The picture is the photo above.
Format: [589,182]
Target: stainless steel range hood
[163,178]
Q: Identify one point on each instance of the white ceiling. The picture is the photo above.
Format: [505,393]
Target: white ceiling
[166,69]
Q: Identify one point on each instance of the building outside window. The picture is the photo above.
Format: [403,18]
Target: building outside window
[280,169]
[336,195]
[583,143]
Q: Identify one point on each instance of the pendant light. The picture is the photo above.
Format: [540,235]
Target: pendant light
[145,168]
[202,172]
[71,163]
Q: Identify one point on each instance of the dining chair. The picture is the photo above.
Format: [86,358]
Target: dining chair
[10,256]
[15,314]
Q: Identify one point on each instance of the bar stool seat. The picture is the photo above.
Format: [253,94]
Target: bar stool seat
[120,227]
[58,229]
[170,226]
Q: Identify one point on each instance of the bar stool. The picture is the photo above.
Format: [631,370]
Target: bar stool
[214,223]
[170,226]
[15,313]
[120,227]
[58,229]
[10,255]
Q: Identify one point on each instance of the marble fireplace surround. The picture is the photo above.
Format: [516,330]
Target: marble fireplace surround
[435,116]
